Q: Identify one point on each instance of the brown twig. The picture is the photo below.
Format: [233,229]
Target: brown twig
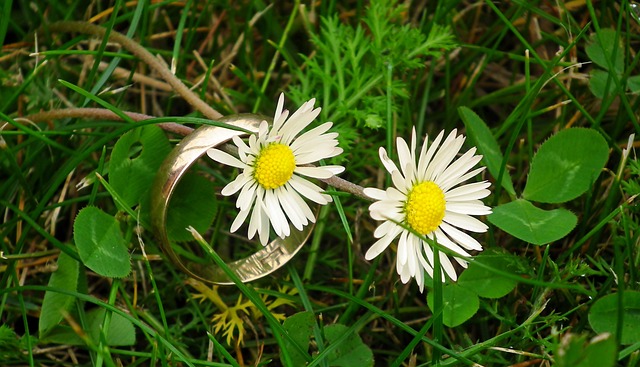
[142,54]
[103,114]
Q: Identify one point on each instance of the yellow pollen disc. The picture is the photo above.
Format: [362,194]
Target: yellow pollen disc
[274,165]
[424,208]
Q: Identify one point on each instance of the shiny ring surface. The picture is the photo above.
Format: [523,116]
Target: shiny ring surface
[263,262]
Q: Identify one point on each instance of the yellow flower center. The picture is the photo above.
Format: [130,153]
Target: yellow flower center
[274,165]
[424,208]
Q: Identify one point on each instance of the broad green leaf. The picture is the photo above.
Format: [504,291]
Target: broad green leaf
[299,327]
[575,351]
[121,331]
[603,316]
[100,243]
[566,166]
[521,219]
[601,47]
[350,352]
[135,159]
[486,283]
[459,304]
[598,80]
[193,204]
[55,303]
[633,84]
[487,146]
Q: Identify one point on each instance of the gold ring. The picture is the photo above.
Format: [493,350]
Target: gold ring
[266,260]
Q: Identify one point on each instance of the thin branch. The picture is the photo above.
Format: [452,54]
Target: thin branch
[103,114]
[142,54]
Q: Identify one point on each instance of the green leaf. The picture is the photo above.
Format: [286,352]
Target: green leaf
[100,243]
[487,146]
[521,219]
[598,80]
[121,331]
[193,204]
[566,166]
[485,283]
[54,304]
[135,159]
[601,47]
[299,327]
[459,304]
[350,352]
[633,84]
[603,316]
[575,351]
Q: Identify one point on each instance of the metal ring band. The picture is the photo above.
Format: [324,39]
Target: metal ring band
[267,260]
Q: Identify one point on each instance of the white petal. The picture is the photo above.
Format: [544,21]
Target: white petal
[315,172]
[277,120]
[243,148]
[470,207]
[446,242]
[322,152]
[413,146]
[460,237]
[403,250]
[276,215]
[395,194]
[461,166]
[472,191]
[381,244]
[404,156]
[312,136]
[240,218]
[448,267]
[297,122]
[386,162]
[263,131]
[293,196]
[309,190]
[399,182]
[447,185]
[254,221]
[384,228]
[235,185]
[425,159]
[291,208]
[375,194]
[445,155]
[335,169]
[225,158]
[247,195]
[465,222]
[385,210]
[403,271]
[429,252]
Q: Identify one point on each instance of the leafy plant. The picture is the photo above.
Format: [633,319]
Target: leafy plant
[576,351]
[461,299]
[346,348]
[606,51]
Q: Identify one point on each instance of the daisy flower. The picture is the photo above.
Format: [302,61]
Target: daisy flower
[426,200]
[273,164]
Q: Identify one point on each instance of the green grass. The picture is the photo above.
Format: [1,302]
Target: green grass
[523,67]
